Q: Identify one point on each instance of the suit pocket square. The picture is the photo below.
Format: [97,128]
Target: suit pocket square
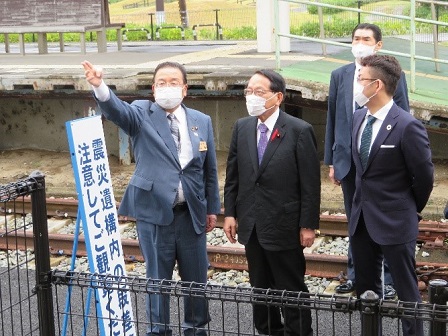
[387,146]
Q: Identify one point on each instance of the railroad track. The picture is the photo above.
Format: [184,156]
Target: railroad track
[330,225]
[432,233]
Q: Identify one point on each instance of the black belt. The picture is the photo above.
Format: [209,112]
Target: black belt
[180,207]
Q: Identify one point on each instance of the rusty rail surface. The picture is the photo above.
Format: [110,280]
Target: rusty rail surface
[223,257]
[330,225]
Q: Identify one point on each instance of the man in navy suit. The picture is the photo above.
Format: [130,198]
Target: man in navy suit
[394,179]
[272,199]
[173,193]
[366,40]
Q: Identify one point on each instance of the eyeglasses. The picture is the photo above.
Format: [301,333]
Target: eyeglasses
[365,79]
[170,84]
[258,92]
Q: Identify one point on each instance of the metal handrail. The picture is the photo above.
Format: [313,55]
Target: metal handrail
[412,55]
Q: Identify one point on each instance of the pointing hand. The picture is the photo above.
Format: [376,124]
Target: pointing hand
[93,75]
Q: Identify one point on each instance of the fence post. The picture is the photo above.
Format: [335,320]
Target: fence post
[435,34]
[359,13]
[152,26]
[370,316]
[42,257]
[217,24]
[321,29]
[438,295]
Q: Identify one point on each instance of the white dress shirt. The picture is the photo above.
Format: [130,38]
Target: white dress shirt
[186,149]
[270,123]
[355,83]
[101,92]
[380,115]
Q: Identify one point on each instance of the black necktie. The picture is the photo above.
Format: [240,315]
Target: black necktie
[366,139]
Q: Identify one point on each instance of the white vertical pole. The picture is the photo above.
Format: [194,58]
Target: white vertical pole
[266,26]
[412,34]
[285,42]
[277,37]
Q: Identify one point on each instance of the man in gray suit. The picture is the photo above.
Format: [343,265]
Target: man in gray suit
[173,193]
[366,40]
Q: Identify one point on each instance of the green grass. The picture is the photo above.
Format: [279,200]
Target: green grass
[238,21]
[116,8]
[54,37]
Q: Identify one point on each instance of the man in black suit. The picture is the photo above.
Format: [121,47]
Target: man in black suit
[272,198]
[394,179]
[366,40]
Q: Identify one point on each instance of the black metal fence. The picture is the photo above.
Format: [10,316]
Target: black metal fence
[26,300]
[36,300]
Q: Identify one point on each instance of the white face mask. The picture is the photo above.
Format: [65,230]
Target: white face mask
[256,105]
[359,96]
[168,97]
[361,50]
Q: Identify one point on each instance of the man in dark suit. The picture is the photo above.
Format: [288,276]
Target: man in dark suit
[366,40]
[394,179]
[173,193]
[272,198]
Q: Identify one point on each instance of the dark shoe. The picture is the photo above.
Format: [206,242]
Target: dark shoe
[389,292]
[345,288]
[273,332]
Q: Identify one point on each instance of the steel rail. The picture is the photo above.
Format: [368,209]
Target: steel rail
[221,257]
[329,225]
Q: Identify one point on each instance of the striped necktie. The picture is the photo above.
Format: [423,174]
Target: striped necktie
[174,127]
[262,142]
[366,139]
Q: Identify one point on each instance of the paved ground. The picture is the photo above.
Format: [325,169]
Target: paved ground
[304,62]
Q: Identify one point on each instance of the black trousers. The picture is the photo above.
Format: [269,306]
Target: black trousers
[348,190]
[283,270]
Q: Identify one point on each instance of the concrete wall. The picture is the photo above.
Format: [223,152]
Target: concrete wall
[40,122]
[224,113]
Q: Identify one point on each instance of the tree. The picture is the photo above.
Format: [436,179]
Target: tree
[160,12]
[183,13]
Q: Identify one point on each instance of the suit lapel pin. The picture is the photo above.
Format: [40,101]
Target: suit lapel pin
[194,128]
[388,127]
[275,134]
